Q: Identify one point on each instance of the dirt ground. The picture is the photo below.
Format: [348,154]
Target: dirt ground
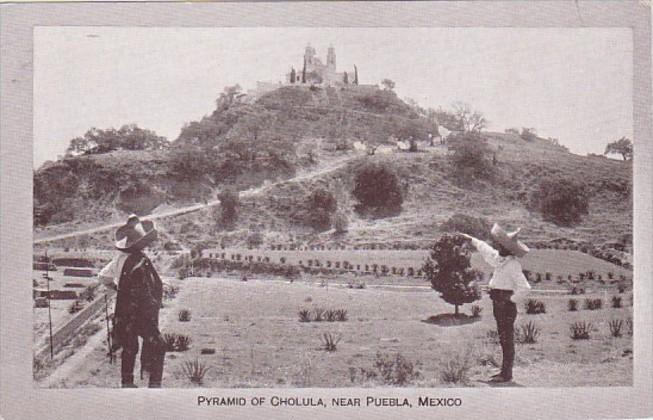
[259,341]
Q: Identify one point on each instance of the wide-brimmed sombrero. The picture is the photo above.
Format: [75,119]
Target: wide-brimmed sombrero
[135,234]
[509,240]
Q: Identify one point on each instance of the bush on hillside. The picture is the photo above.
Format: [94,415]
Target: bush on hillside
[377,190]
[471,158]
[229,202]
[562,201]
[321,205]
[479,227]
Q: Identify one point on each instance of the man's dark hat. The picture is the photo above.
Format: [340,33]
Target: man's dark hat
[136,234]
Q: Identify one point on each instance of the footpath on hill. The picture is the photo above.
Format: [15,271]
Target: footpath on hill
[329,166]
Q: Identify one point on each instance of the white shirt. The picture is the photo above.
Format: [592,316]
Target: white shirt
[109,276]
[507,273]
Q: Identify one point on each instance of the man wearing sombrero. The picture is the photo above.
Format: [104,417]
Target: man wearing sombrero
[507,286]
[138,301]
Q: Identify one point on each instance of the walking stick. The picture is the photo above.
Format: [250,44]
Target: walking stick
[106,311]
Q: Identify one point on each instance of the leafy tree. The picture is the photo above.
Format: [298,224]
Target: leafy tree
[471,158]
[321,205]
[190,162]
[623,146]
[528,134]
[388,84]
[128,137]
[448,120]
[449,270]
[377,190]
[229,96]
[562,201]
[229,202]
[471,120]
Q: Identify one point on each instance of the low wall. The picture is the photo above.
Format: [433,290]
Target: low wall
[64,332]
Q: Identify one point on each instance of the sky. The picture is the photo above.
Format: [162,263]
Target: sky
[573,84]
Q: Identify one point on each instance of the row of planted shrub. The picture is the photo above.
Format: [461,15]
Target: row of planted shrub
[321,314]
[534,306]
[587,275]
[328,265]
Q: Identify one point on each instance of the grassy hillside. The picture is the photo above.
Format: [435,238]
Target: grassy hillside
[240,144]
[432,194]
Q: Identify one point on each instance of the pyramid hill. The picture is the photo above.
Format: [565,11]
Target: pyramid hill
[246,142]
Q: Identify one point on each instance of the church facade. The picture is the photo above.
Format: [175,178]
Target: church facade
[314,72]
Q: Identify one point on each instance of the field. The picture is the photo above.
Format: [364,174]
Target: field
[259,341]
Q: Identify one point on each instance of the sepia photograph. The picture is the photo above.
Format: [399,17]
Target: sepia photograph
[331,207]
[367,209]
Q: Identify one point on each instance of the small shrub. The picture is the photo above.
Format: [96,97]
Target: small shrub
[395,370]
[318,314]
[184,315]
[572,305]
[561,200]
[492,336]
[304,315]
[593,304]
[456,370]
[195,371]
[534,306]
[615,327]
[616,301]
[476,311]
[528,333]
[330,315]
[207,351]
[170,340]
[621,288]
[330,341]
[182,342]
[629,326]
[341,315]
[580,330]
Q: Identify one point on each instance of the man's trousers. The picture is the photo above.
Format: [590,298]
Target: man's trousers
[505,313]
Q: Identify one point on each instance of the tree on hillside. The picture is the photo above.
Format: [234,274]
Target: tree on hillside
[471,120]
[355,75]
[623,146]
[449,270]
[562,201]
[229,96]
[229,202]
[448,120]
[127,137]
[528,134]
[388,84]
[377,190]
[321,205]
[293,75]
[190,162]
[304,72]
[345,79]
[471,158]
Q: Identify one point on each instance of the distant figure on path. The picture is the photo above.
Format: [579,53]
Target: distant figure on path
[508,285]
[140,292]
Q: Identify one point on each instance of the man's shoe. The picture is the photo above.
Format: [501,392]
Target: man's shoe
[500,379]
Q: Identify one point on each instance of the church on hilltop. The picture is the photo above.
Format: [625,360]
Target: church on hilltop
[314,72]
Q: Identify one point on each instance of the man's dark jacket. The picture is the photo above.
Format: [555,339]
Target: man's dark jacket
[140,292]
